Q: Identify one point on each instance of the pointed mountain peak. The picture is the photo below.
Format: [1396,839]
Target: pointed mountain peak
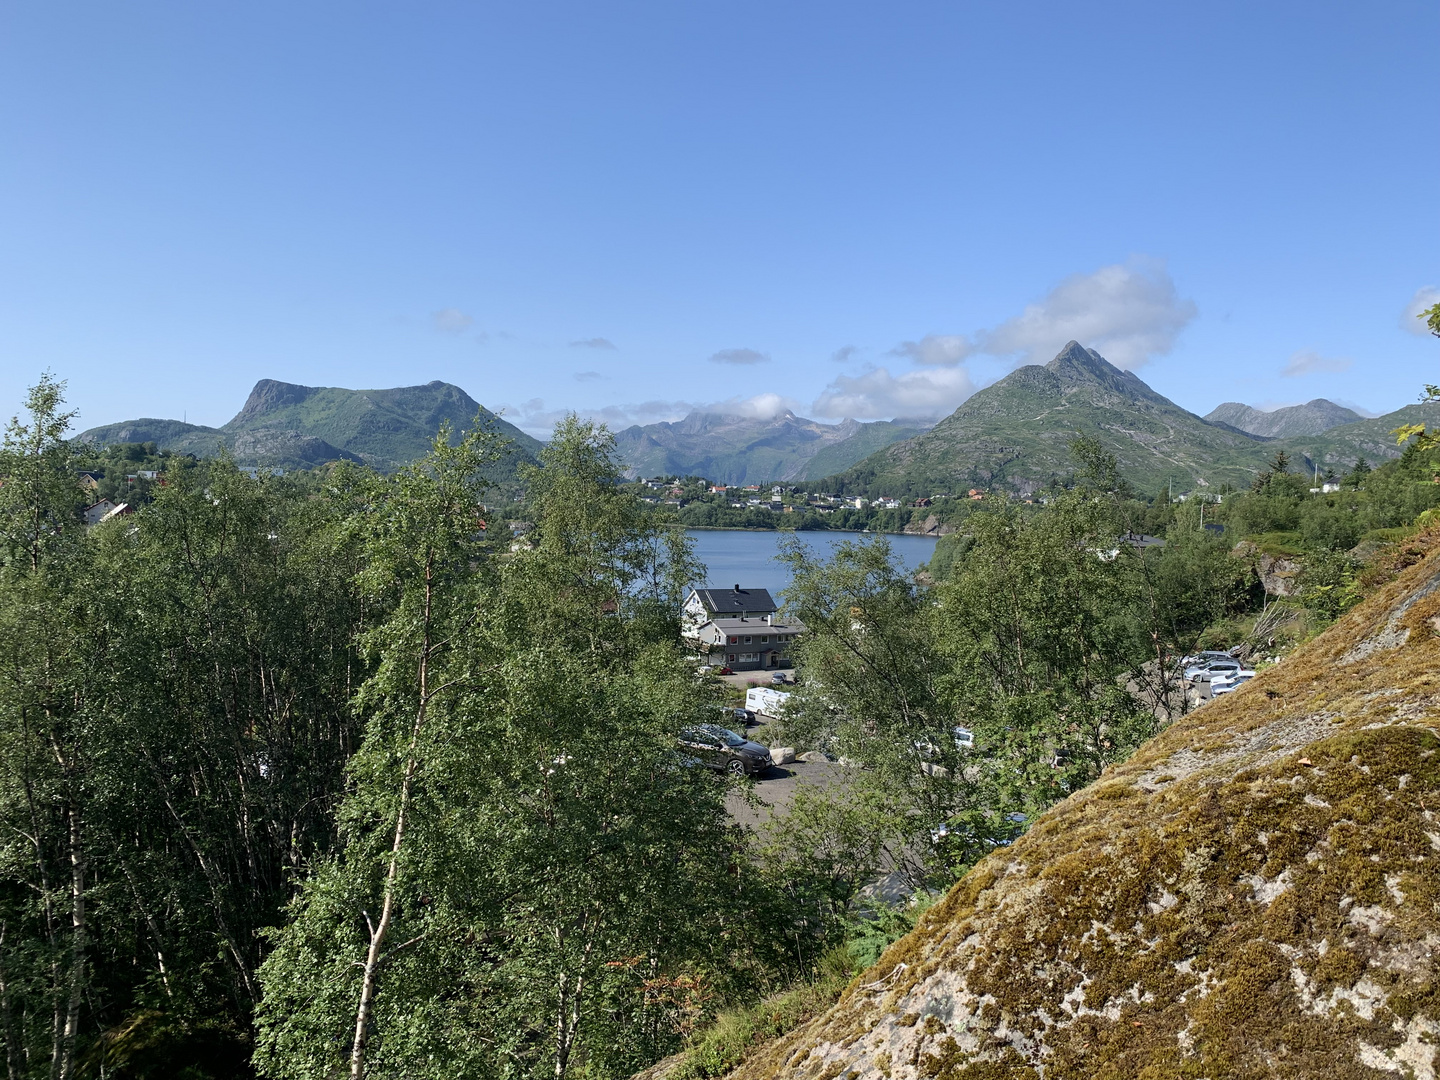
[270,395]
[1075,356]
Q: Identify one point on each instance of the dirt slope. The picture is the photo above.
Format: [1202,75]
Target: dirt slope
[1255,894]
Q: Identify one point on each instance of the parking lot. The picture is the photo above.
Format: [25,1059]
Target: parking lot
[776,787]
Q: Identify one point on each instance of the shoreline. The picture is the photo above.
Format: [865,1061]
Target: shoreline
[751,529]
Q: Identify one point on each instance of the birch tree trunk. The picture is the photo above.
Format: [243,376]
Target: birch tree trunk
[380,930]
[77,945]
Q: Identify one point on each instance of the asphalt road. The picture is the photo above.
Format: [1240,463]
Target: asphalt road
[776,786]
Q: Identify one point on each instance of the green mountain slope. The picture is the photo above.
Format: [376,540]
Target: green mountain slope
[1309,419]
[738,450]
[868,438]
[295,426]
[1015,434]
[1339,447]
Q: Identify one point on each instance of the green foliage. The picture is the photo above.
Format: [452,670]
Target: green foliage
[301,427]
[552,860]
[725,1043]
[39,499]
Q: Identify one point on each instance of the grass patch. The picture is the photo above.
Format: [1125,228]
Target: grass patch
[735,1032]
[1285,545]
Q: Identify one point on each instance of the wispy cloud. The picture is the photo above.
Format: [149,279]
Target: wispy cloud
[589,376]
[844,354]
[936,350]
[1309,363]
[739,357]
[1424,299]
[878,394]
[593,343]
[451,321]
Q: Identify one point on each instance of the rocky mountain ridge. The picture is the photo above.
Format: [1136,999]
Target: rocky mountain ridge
[731,449]
[1311,418]
[293,426]
[1015,434]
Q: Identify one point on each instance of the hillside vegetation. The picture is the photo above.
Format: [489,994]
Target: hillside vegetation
[1014,435]
[1253,894]
[291,426]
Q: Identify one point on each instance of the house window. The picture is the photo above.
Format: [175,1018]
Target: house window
[749,657]
[747,641]
[764,641]
[732,658]
[734,641]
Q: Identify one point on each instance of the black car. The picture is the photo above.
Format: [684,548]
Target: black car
[722,749]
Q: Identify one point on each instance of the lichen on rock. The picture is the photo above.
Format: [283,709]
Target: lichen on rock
[1254,894]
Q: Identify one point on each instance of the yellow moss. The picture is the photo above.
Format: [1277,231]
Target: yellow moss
[1239,905]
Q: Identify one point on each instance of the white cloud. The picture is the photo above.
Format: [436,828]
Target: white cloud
[877,394]
[1128,313]
[451,320]
[1425,298]
[1308,363]
[739,356]
[937,350]
[593,343]
[534,417]
[764,406]
[844,354]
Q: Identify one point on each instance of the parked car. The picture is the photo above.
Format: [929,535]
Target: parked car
[964,740]
[734,714]
[1206,672]
[779,679]
[725,669]
[1204,657]
[725,751]
[1224,684]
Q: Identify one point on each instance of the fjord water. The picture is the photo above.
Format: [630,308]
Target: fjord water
[747,557]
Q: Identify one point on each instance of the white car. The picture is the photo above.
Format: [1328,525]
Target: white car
[1212,670]
[1227,683]
[1200,659]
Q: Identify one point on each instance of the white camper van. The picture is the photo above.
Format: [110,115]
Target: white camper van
[762,699]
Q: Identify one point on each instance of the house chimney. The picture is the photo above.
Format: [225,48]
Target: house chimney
[769,620]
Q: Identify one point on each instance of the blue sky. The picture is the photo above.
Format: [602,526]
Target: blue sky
[630,209]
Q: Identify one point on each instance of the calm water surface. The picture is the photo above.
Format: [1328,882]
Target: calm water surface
[747,559]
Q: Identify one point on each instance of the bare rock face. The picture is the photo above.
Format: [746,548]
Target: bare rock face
[1255,894]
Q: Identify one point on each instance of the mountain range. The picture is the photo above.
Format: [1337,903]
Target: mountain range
[1309,419]
[738,450]
[1013,435]
[292,426]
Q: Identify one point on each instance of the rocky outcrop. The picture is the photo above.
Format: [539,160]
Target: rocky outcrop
[1279,574]
[1255,894]
[931,526]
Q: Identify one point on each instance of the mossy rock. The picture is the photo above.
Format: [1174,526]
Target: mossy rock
[1255,894]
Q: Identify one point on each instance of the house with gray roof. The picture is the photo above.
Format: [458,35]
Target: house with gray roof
[739,628]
